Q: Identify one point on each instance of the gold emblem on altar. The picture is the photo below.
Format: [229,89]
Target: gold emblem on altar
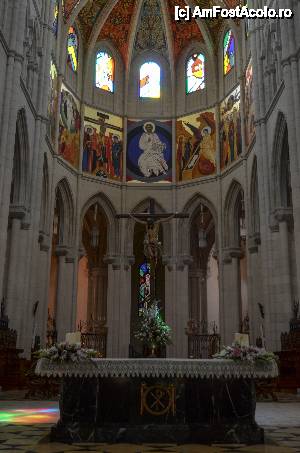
[158,399]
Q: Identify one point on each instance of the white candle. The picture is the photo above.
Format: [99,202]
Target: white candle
[242,339]
[73,337]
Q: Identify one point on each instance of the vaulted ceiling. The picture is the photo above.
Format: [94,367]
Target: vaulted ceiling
[119,25]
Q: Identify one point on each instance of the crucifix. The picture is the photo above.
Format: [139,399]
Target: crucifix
[152,219]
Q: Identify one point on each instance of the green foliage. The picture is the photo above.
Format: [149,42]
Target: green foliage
[153,331]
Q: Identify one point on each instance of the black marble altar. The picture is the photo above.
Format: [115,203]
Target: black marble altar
[109,410]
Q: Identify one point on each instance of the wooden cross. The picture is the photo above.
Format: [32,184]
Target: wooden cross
[151,216]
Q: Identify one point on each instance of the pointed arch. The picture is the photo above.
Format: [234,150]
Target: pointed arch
[20,176]
[280,164]
[110,216]
[44,210]
[65,206]
[192,207]
[231,214]
[254,200]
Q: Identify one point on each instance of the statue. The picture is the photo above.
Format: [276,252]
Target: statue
[152,245]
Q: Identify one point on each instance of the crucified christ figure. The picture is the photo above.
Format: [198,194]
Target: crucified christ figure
[152,245]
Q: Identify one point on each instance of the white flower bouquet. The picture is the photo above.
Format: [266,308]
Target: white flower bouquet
[65,352]
[245,354]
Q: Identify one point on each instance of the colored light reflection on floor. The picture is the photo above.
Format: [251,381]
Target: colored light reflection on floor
[29,416]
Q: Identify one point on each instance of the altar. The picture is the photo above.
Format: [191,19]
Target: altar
[157,400]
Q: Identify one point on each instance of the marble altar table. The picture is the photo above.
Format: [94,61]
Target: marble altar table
[157,400]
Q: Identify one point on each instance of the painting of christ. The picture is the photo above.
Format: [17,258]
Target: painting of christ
[149,151]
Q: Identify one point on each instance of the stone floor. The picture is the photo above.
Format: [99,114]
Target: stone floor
[25,425]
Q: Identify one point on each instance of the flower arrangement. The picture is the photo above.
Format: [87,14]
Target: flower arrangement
[65,352]
[153,331]
[245,354]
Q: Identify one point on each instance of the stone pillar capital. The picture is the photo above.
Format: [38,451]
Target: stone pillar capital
[283,214]
[17,212]
[128,262]
[44,241]
[182,261]
[114,260]
[253,242]
[231,252]
[169,261]
[61,250]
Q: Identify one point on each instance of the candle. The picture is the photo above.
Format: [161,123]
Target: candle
[242,339]
[73,337]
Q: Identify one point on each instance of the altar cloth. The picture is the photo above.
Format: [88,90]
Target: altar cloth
[176,368]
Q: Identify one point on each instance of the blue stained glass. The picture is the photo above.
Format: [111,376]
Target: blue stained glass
[229,52]
[144,286]
[73,49]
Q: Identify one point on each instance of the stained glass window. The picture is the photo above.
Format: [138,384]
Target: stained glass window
[229,52]
[144,286]
[150,80]
[73,49]
[105,71]
[55,18]
[195,73]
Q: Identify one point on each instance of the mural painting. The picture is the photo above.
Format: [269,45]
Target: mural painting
[69,127]
[195,146]
[102,144]
[149,150]
[230,128]
[53,103]
[249,106]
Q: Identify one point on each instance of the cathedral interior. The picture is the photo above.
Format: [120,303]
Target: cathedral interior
[142,159]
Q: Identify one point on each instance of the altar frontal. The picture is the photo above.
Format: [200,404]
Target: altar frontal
[157,400]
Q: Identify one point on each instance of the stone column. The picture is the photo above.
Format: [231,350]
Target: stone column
[13,70]
[181,303]
[118,305]
[254,285]
[194,294]
[283,308]
[97,297]
[43,288]
[232,295]
[13,302]
[203,295]
[170,277]
[60,309]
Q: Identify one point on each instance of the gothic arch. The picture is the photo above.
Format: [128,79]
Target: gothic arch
[231,215]
[20,177]
[192,208]
[110,215]
[254,201]
[64,199]
[280,159]
[44,211]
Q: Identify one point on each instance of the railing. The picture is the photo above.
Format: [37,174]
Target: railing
[203,346]
[95,341]
[290,340]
